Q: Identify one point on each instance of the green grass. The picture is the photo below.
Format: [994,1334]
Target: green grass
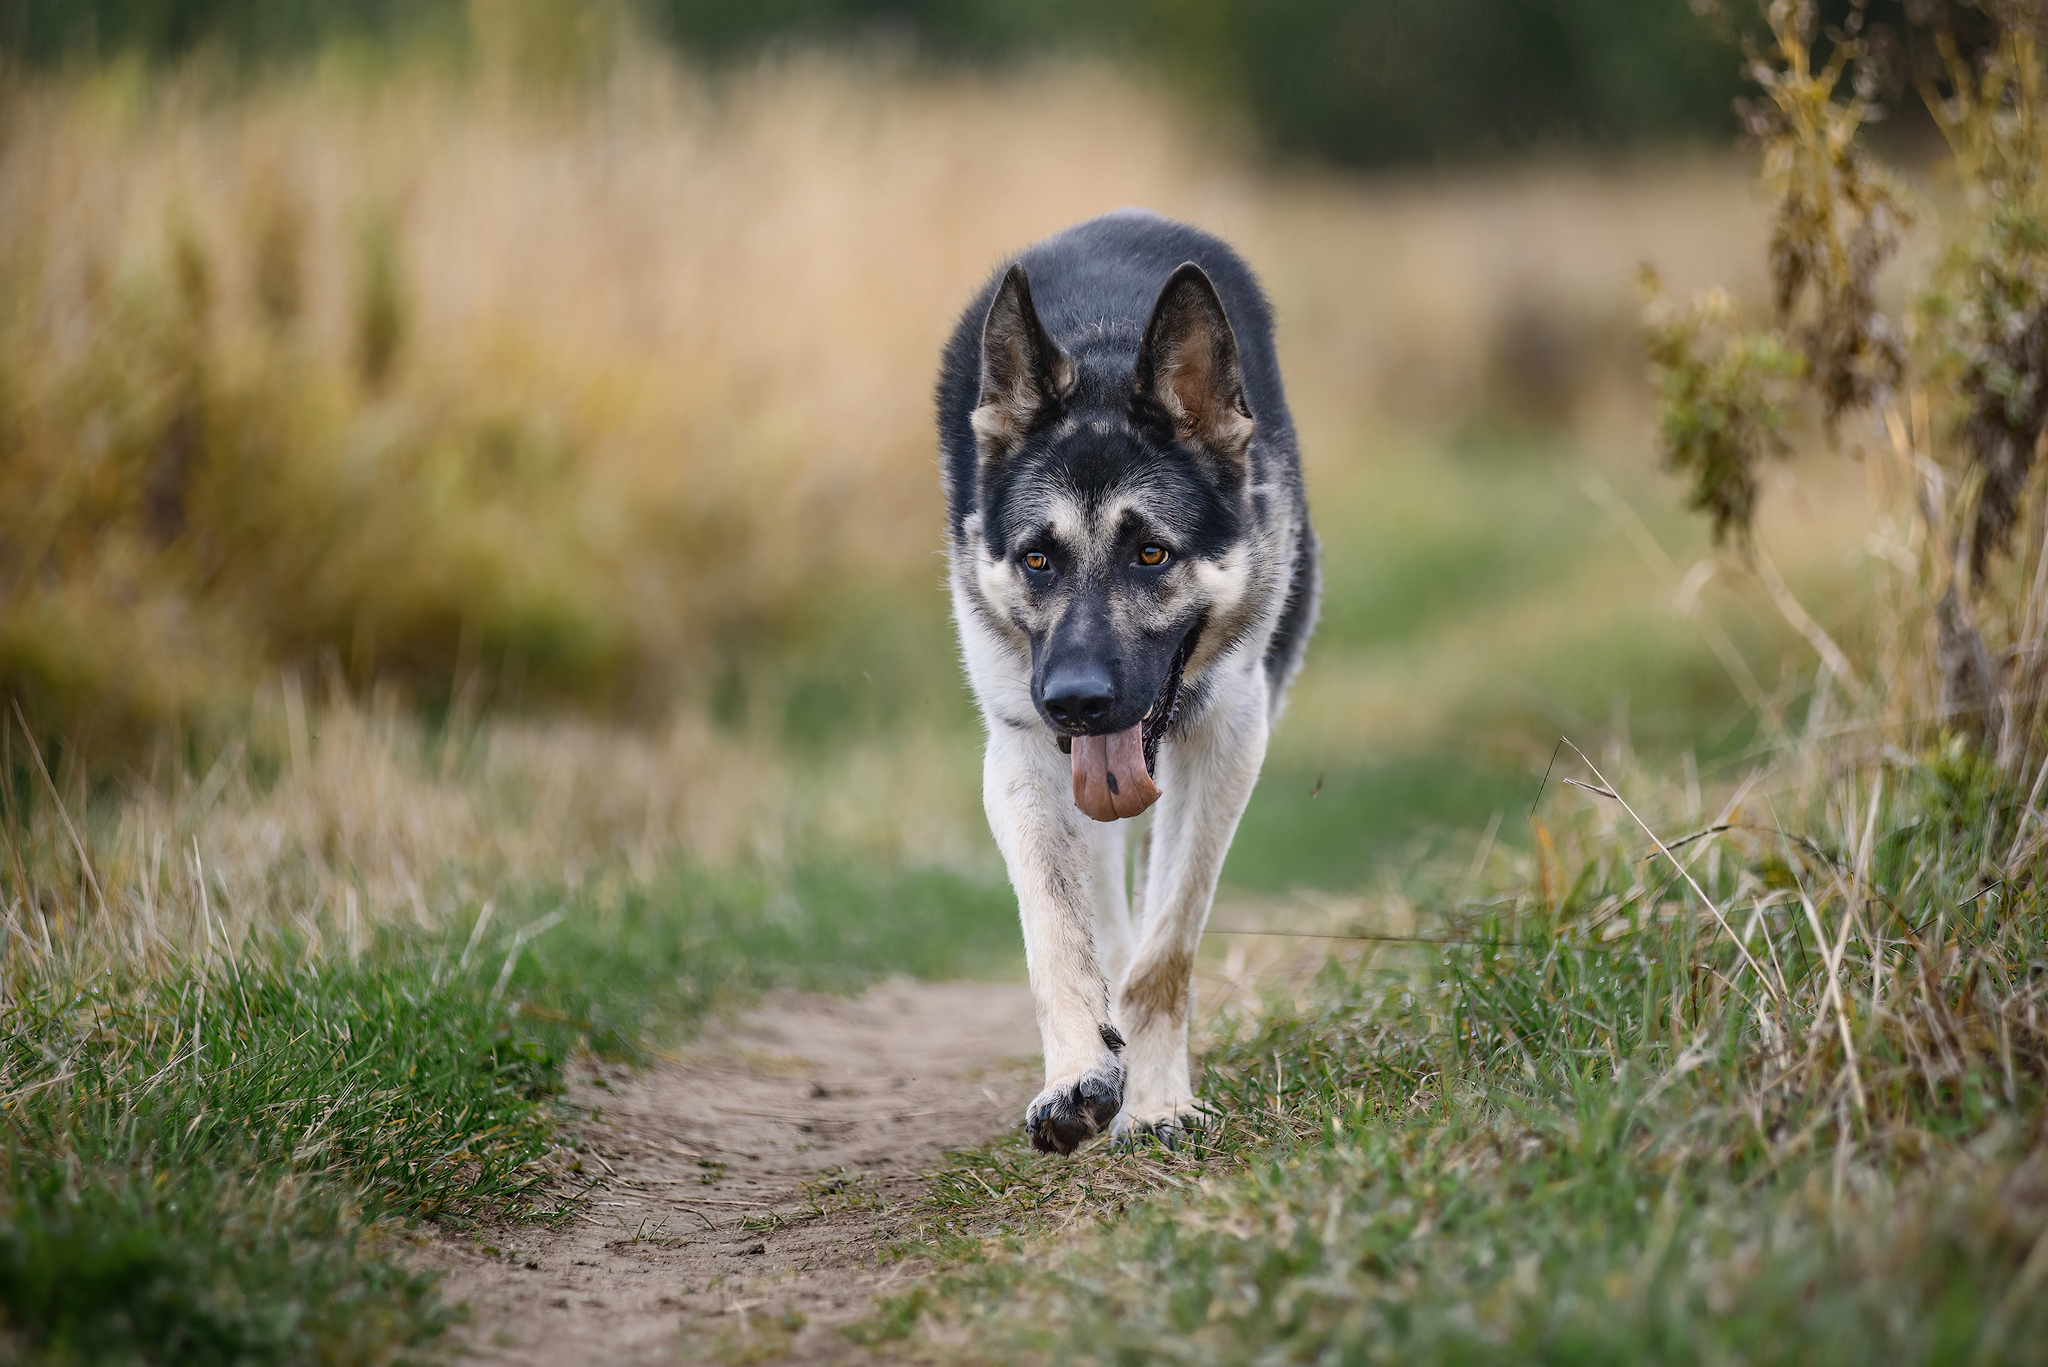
[630,962]
[1591,1133]
[213,1166]
[194,1166]
[1430,531]
[1477,603]
[1350,826]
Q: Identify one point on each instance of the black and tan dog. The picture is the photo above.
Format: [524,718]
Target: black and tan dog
[1134,578]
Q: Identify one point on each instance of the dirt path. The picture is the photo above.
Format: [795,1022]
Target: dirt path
[749,1187]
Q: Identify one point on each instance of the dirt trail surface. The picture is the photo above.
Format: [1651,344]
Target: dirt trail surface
[748,1188]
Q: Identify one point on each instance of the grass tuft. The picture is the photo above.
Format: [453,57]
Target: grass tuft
[1596,1127]
[208,1166]
[220,1161]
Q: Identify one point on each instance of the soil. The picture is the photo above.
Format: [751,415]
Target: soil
[751,1188]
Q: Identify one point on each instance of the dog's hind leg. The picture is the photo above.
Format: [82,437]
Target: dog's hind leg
[1139,864]
[1115,907]
[1206,779]
[1056,864]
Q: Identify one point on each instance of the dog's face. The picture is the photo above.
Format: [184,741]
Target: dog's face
[1112,498]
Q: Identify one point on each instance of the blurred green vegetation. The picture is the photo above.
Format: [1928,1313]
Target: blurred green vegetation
[1479,602]
[1347,827]
[1393,82]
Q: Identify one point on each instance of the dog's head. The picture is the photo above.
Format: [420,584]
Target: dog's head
[1112,488]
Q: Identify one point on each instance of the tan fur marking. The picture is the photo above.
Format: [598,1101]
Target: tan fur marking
[1159,990]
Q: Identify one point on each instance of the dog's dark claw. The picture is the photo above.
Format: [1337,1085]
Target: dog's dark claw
[1182,1131]
[1132,1140]
[1062,1121]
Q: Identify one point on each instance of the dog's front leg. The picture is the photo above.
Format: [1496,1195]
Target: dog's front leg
[1027,786]
[1206,779]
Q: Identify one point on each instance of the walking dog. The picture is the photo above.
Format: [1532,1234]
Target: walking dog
[1134,579]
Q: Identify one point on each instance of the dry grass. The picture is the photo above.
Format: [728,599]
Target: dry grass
[353,821]
[1776,1099]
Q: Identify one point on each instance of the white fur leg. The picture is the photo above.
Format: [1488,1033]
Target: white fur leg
[1206,778]
[1112,897]
[1054,863]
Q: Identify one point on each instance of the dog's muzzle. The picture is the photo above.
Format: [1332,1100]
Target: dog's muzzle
[1113,773]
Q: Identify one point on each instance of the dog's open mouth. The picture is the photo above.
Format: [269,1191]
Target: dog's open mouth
[1113,774]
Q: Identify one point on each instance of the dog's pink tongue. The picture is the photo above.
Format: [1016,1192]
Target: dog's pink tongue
[1109,775]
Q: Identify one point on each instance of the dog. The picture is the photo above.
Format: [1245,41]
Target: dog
[1134,580]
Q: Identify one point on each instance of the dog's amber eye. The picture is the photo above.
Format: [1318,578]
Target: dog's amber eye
[1036,561]
[1153,556]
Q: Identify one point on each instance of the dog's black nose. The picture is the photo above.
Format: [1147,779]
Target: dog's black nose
[1080,695]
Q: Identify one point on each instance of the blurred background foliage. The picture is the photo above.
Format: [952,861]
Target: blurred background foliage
[1360,84]
[521,358]
[1374,84]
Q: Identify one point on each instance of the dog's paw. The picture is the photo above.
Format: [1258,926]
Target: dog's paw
[1177,1127]
[1068,1114]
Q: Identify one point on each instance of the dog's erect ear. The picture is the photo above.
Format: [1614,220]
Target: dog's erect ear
[1024,374]
[1188,369]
